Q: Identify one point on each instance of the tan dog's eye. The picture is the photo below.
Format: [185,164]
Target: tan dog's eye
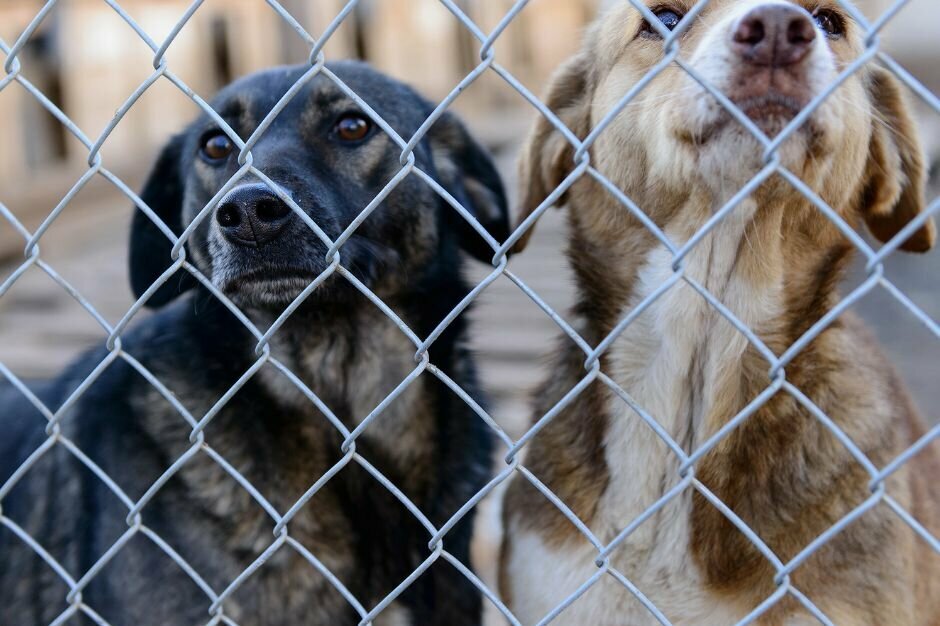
[352,127]
[829,22]
[216,146]
[668,17]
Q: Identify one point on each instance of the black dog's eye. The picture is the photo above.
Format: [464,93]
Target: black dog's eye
[668,17]
[829,22]
[352,127]
[216,146]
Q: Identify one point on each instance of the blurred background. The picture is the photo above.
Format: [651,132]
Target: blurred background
[87,61]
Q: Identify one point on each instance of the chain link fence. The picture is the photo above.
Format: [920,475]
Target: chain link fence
[511,465]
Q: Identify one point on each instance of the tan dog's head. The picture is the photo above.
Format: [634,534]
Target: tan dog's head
[858,150]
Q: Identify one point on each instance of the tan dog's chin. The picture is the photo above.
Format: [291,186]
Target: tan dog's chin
[769,116]
[728,153]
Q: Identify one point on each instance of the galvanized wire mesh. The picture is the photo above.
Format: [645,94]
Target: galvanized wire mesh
[436,547]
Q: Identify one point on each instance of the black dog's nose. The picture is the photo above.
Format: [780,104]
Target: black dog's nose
[774,35]
[252,215]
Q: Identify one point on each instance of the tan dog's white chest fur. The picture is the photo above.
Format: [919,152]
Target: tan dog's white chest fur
[671,360]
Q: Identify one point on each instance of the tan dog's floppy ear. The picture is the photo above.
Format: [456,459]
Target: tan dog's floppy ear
[547,157]
[894,192]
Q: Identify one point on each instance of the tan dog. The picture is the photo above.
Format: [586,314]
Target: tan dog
[775,262]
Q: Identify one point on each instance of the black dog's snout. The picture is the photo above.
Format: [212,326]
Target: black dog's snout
[252,215]
[775,35]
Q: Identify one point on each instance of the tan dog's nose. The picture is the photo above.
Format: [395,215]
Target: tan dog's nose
[774,35]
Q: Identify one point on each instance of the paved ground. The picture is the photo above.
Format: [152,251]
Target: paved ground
[42,328]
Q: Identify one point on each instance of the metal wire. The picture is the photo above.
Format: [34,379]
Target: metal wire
[281,537]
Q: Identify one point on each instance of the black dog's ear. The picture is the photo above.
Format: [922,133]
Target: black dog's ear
[149,247]
[467,172]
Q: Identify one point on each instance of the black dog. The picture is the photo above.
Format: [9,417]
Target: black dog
[331,159]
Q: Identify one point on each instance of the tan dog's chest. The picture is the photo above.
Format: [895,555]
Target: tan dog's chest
[679,361]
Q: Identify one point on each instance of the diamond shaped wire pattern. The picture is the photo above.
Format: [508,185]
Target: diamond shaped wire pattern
[684,484]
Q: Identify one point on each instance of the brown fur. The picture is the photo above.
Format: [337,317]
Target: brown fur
[781,471]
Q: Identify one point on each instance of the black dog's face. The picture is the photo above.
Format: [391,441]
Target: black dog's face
[324,153]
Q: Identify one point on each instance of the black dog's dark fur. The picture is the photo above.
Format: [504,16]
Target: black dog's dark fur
[427,442]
